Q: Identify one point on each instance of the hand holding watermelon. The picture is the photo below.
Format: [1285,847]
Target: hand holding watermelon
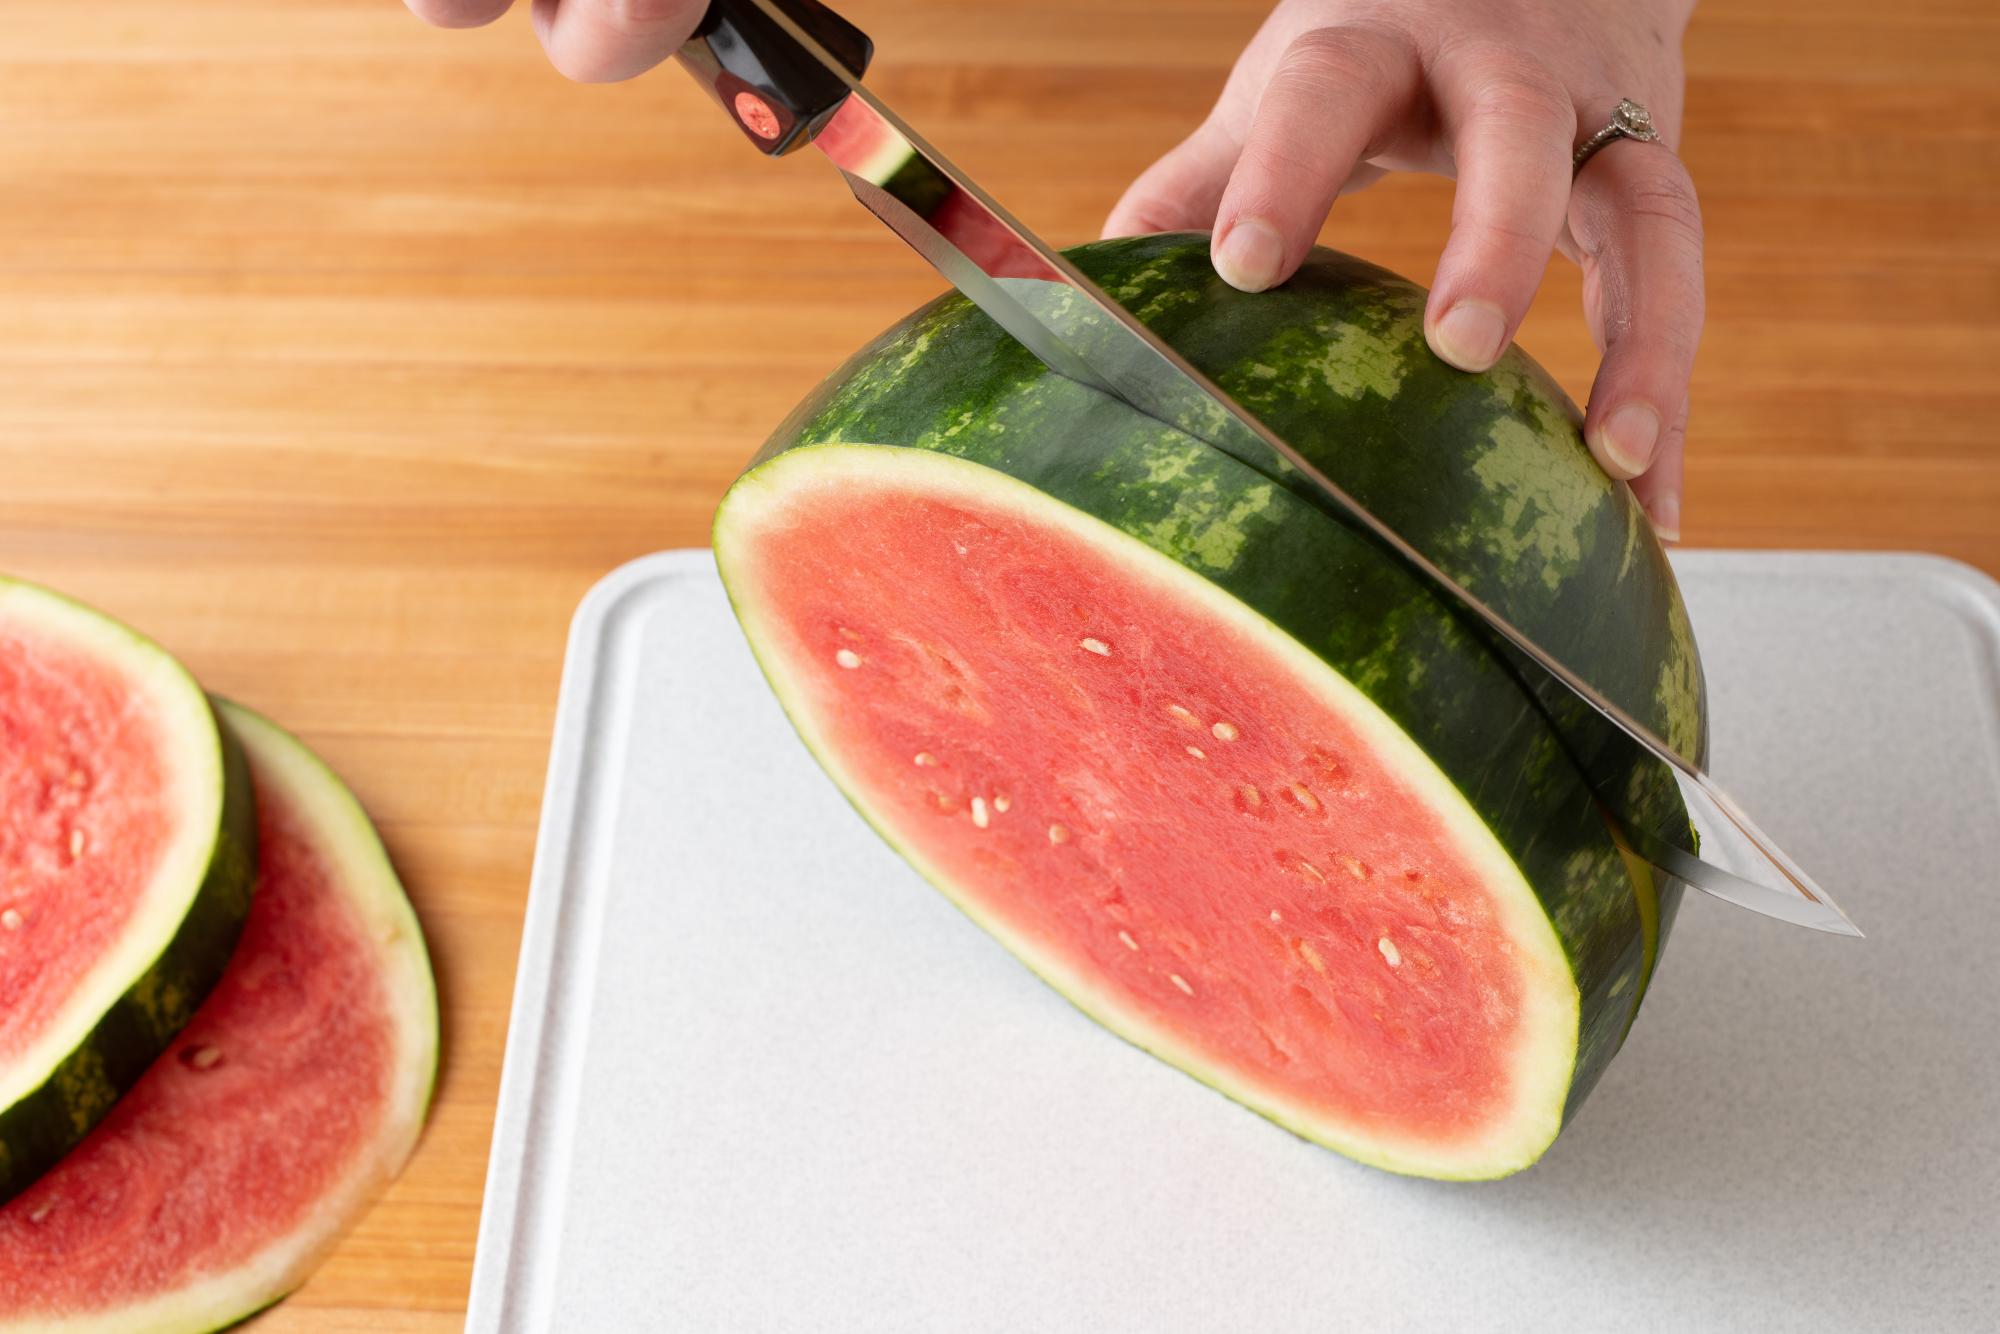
[1332,95]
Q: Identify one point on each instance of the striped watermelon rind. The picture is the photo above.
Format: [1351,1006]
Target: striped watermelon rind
[175,948]
[1487,473]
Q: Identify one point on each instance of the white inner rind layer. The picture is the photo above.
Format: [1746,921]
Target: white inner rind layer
[358,867]
[159,690]
[811,485]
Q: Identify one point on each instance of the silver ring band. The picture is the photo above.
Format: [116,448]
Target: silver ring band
[1628,121]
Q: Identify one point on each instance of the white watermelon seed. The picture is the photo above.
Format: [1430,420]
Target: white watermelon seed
[1184,715]
[1303,795]
[923,758]
[1276,916]
[203,1057]
[76,843]
[1058,834]
[848,658]
[979,811]
[1197,752]
[1251,796]
[1389,951]
[1311,956]
[1225,731]
[42,1211]
[1000,805]
[1097,646]
[1180,982]
[1130,943]
[1355,867]
[10,919]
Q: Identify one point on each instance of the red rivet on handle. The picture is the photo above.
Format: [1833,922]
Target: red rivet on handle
[756,115]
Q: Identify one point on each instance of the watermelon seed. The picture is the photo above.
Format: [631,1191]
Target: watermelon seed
[1311,956]
[1225,731]
[11,919]
[1276,916]
[1250,795]
[923,758]
[1303,795]
[1000,805]
[979,816]
[1197,752]
[848,658]
[1097,646]
[1180,982]
[1389,951]
[42,1211]
[1058,834]
[1355,867]
[1184,715]
[203,1057]
[1130,943]
[76,844]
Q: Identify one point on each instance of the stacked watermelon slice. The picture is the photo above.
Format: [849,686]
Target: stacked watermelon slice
[218,1027]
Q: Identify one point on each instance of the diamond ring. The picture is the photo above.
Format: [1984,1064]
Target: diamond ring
[1628,121]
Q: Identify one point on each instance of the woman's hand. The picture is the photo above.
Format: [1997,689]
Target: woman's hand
[591,41]
[1333,94]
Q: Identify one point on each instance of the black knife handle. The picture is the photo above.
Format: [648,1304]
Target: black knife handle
[775,91]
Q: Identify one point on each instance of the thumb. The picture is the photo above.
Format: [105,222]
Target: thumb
[1180,192]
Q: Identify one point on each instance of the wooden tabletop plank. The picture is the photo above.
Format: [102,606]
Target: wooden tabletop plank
[343,355]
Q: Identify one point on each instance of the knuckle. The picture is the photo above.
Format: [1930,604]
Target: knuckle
[1376,58]
[1667,202]
[642,15]
[1526,98]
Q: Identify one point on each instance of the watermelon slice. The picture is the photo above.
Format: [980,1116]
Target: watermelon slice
[1198,754]
[293,1096]
[127,851]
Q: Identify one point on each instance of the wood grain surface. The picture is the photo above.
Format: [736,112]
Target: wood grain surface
[343,355]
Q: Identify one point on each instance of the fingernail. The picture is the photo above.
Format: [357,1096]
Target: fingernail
[1627,437]
[1666,513]
[1471,335]
[1249,255]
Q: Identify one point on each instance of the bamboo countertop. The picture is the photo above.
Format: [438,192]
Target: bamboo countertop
[342,355]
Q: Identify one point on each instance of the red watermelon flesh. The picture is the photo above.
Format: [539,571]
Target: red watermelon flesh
[1201,835]
[292,1097]
[88,814]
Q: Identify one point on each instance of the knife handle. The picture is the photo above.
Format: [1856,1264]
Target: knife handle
[778,93]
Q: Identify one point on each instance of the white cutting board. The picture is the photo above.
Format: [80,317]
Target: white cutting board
[761,1077]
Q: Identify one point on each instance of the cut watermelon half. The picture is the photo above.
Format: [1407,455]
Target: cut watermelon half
[295,1094]
[1195,750]
[127,851]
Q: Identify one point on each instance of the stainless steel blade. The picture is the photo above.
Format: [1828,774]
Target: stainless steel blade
[1079,331]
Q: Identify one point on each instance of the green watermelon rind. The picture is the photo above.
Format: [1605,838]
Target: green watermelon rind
[130,1018]
[364,872]
[1489,473]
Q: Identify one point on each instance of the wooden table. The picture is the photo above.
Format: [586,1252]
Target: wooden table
[343,355]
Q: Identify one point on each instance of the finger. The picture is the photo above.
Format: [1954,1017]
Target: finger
[1180,191]
[1334,93]
[458,13]
[1511,127]
[1659,488]
[603,41]
[1637,228]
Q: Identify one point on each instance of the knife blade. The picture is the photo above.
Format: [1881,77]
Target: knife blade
[789,74]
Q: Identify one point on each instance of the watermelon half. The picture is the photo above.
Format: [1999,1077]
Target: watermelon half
[127,851]
[1195,752]
[293,1096]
